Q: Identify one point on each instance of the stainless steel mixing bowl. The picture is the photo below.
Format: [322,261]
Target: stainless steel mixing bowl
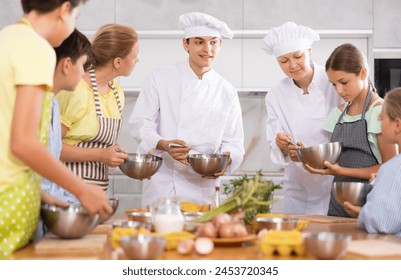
[207,164]
[143,247]
[114,202]
[140,166]
[353,192]
[276,223]
[327,245]
[316,155]
[69,222]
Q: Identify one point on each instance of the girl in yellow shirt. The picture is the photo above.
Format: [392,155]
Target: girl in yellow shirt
[91,115]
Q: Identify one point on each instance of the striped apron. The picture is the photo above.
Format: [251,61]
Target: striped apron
[109,128]
[356,153]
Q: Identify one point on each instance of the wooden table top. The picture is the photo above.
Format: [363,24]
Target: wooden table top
[246,251]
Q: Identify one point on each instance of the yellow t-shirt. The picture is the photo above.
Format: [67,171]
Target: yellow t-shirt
[25,59]
[77,111]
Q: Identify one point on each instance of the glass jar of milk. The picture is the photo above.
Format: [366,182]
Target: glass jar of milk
[167,215]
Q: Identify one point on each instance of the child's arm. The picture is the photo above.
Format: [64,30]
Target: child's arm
[26,146]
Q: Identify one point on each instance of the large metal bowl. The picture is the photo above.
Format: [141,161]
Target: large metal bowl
[353,192]
[327,245]
[140,166]
[207,164]
[316,155]
[113,202]
[69,222]
[142,247]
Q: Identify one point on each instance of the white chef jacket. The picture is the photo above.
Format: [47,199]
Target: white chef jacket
[175,104]
[302,116]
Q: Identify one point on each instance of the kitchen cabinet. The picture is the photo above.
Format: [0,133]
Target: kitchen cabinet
[387,32]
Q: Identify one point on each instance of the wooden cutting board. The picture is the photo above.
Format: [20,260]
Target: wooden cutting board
[91,243]
[375,249]
[325,219]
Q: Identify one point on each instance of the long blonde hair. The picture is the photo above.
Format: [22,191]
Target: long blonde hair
[393,103]
[111,41]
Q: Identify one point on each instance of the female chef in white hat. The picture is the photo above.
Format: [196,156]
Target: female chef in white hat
[189,103]
[296,109]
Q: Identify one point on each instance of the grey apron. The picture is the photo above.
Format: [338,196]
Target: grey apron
[356,153]
[97,172]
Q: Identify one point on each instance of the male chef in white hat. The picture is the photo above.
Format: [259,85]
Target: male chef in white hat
[190,104]
[297,107]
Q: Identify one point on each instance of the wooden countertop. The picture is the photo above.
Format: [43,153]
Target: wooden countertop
[248,251]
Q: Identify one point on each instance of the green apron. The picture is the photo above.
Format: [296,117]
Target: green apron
[20,202]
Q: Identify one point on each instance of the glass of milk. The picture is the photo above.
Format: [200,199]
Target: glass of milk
[167,215]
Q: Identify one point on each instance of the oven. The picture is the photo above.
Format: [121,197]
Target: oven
[387,74]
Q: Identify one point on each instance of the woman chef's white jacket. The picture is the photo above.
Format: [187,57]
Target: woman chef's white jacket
[175,104]
[302,116]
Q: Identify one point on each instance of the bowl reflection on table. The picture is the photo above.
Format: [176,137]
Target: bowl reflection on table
[353,192]
[140,166]
[113,202]
[142,247]
[68,222]
[207,164]
[327,245]
[316,155]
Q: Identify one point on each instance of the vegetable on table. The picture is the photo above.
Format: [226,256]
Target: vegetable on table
[251,195]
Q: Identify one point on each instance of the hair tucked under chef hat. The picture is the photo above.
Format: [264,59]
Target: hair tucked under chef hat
[199,24]
[287,38]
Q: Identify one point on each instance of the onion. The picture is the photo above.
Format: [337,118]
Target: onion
[240,230]
[221,218]
[185,246]
[204,245]
[226,230]
[207,230]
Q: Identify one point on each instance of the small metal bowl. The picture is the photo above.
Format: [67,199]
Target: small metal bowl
[327,245]
[276,223]
[143,217]
[131,224]
[316,155]
[69,222]
[114,202]
[207,164]
[140,166]
[353,192]
[142,247]
[190,223]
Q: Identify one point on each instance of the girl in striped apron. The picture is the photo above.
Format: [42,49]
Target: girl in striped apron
[91,116]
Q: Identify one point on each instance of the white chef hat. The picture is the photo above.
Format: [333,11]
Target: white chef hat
[287,38]
[199,24]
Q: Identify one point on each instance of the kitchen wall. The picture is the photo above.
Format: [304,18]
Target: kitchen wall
[369,24]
